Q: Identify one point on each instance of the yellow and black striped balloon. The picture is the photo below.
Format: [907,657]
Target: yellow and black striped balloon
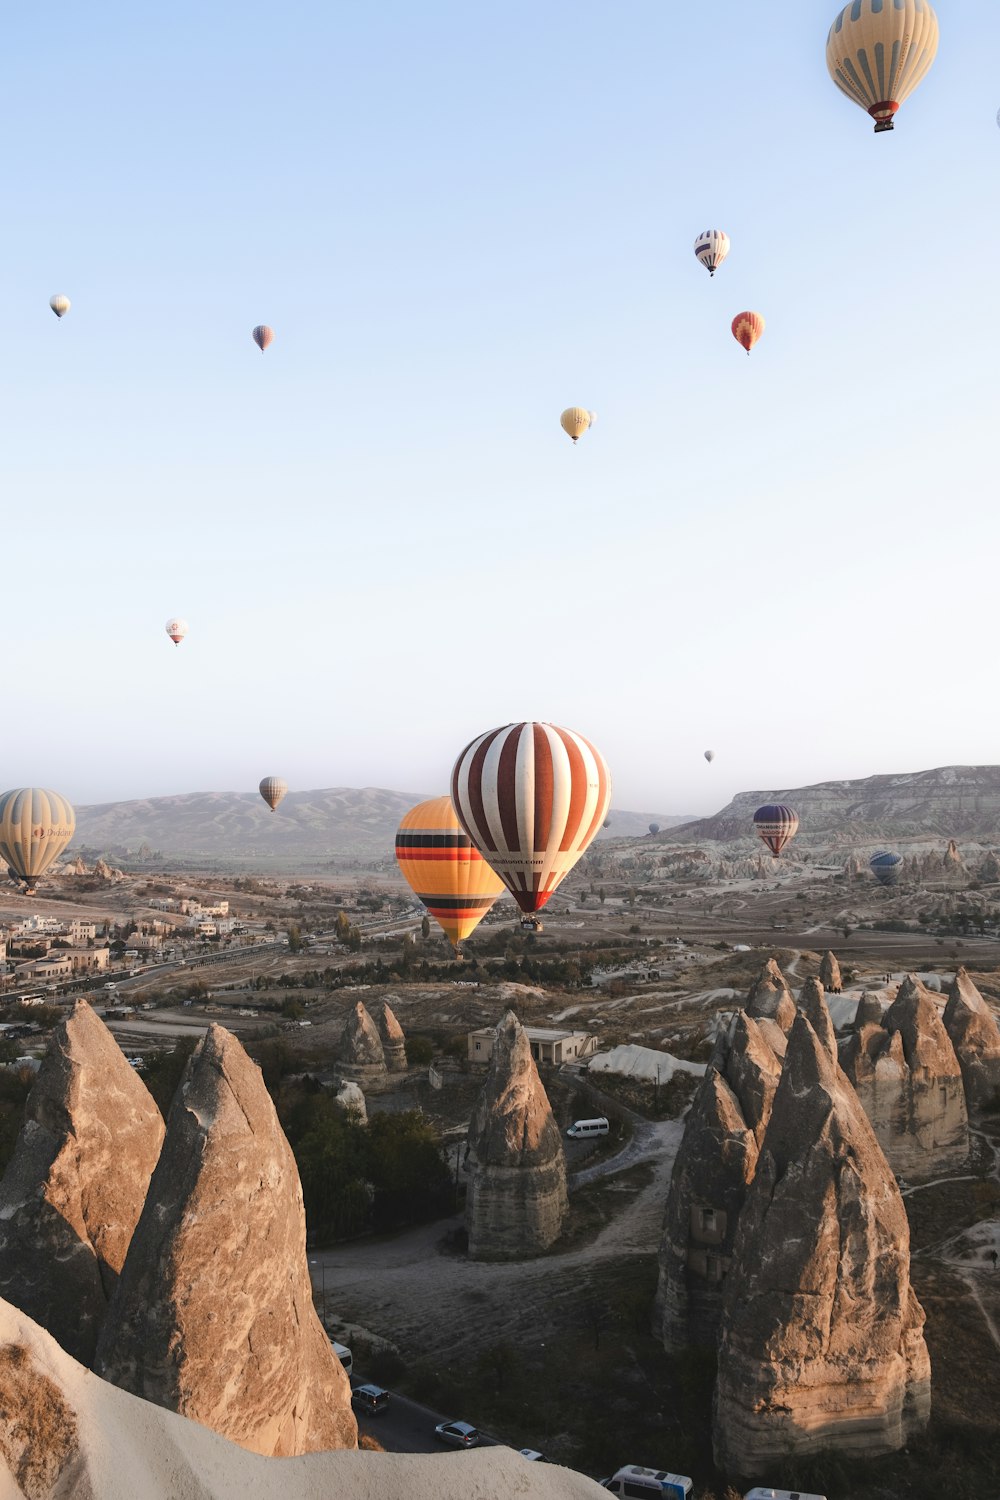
[35,827]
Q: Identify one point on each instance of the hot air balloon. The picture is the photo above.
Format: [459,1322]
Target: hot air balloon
[60,304]
[775,824]
[711,248]
[443,870]
[710,756]
[35,827]
[273,790]
[531,797]
[878,51]
[747,329]
[654,827]
[177,630]
[263,336]
[885,867]
[575,420]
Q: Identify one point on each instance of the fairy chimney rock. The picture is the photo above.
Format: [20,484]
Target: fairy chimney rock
[770,996]
[713,1169]
[822,1343]
[516,1198]
[362,1059]
[908,1079]
[213,1315]
[393,1041]
[974,1034]
[74,1188]
[829,973]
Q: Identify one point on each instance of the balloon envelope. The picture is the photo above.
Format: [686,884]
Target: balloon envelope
[60,304]
[877,53]
[273,789]
[531,797]
[443,870]
[35,827]
[885,867]
[575,420]
[263,336]
[711,248]
[747,329]
[177,629]
[775,824]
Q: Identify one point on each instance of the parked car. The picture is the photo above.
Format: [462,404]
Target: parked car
[458,1434]
[370,1399]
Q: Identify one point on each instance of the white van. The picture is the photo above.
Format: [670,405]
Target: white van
[583,1129]
[344,1355]
[761,1492]
[633,1482]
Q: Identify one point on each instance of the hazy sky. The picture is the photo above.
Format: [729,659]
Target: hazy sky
[459,219]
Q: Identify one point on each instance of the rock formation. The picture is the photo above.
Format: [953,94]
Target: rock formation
[769,995]
[829,973]
[974,1034]
[393,1041]
[362,1059]
[908,1079]
[869,1011]
[73,1191]
[714,1167]
[351,1101]
[213,1314]
[516,1198]
[822,1340]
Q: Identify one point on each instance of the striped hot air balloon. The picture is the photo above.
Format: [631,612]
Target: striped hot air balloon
[531,797]
[711,248]
[885,867]
[878,51]
[263,336]
[443,870]
[747,329]
[273,789]
[35,827]
[775,824]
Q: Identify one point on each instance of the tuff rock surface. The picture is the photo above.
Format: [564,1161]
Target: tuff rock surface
[770,996]
[975,1036]
[829,973]
[822,1341]
[516,1197]
[908,1079]
[714,1167]
[362,1059]
[74,1188]
[213,1314]
[393,1041]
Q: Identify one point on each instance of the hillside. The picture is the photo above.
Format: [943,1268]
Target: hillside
[341,825]
[950,802]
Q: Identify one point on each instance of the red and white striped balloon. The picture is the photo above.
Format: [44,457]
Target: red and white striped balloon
[531,797]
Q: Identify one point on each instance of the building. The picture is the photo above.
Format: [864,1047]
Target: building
[548,1045]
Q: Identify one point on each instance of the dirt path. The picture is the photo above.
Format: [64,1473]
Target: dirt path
[409,1290]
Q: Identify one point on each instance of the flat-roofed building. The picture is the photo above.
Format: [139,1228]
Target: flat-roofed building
[548,1044]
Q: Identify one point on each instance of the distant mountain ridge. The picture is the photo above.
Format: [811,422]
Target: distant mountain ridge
[949,802]
[336,825]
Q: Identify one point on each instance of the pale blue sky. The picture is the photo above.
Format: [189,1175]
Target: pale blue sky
[459,219]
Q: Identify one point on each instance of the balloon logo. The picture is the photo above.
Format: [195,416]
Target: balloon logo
[878,53]
[177,630]
[775,825]
[575,420]
[35,827]
[263,336]
[273,789]
[531,797]
[443,870]
[711,248]
[747,329]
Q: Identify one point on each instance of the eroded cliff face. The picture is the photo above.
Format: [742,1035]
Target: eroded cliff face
[74,1188]
[908,1079]
[822,1336]
[213,1314]
[770,996]
[975,1036]
[516,1199]
[713,1170]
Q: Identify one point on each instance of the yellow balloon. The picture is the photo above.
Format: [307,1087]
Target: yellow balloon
[575,420]
[35,827]
[878,51]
